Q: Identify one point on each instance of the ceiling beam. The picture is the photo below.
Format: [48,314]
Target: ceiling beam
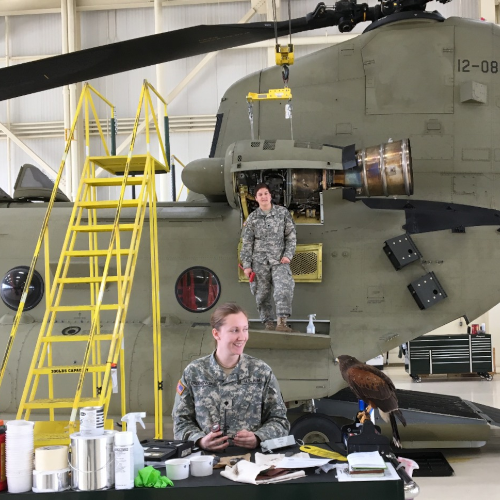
[32,7]
[175,92]
[47,169]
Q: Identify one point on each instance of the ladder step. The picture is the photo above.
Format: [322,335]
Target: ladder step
[102,228]
[88,279]
[104,307]
[97,253]
[116,164]
[113,181]
[76,338]
[109,204]
[60,403]
[53,370]
[57,432]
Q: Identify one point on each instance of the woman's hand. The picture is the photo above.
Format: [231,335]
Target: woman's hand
[247,271]
[246,439]
[214,441]
[285,260]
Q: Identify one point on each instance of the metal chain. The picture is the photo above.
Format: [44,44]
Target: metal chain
[250,116]
[275,22]
[290,20]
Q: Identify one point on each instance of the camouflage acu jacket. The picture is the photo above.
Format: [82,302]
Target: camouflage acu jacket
[268,238]
[249,398]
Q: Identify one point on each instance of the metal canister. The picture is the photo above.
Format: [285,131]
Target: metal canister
[92,461]
[92,420]
[50,481]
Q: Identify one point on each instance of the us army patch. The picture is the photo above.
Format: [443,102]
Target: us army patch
[180,388]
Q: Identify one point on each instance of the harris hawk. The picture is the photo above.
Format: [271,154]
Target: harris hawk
[375,388]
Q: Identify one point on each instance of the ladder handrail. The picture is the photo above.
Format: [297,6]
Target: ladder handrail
[43,231]
[38,246]
[105,272]
[98,279]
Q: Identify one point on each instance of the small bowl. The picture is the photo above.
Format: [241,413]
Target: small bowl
[202,466]
[177,468]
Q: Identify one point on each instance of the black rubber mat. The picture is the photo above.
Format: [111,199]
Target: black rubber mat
[422,401]
[430,463]
[492,414]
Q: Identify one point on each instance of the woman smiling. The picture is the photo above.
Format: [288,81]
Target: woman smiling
[228,394]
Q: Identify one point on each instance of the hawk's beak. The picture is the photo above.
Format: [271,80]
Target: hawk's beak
[336,361]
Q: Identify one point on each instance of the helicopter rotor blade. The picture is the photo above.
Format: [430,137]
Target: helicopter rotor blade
[114,58]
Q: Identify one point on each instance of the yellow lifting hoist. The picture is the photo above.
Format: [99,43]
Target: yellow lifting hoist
[284,57]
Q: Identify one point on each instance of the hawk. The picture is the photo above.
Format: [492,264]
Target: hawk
[375,388]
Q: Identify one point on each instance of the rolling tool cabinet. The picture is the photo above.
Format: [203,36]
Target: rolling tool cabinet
[444,354]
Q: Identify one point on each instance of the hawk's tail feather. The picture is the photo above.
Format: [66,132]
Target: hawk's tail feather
[395,433]
[400,417]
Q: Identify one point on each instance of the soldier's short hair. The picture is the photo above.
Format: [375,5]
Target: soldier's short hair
[260,186]
[220,314]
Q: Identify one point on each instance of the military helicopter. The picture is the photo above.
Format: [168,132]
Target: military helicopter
[403,239]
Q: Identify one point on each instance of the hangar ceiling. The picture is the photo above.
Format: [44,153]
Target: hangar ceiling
[23,7]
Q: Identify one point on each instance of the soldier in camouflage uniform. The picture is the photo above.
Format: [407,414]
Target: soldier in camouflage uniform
[230,389]
[268,245]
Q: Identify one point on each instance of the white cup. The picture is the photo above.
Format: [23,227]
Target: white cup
[202,466]
[177,468]
[20,484]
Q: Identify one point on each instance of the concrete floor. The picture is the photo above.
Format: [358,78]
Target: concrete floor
[477,471]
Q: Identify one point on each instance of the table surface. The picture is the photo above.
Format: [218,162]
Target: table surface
[312,486]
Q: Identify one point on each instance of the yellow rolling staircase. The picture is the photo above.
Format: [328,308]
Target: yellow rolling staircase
[66,387]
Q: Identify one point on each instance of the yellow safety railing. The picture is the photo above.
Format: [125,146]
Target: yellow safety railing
[87,97]
[86,199]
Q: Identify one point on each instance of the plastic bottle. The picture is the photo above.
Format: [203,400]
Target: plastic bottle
[310,326]
[124,460]
[3,478]
[132,420]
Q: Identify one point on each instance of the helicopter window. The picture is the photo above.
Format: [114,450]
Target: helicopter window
[197,289]
[13,285]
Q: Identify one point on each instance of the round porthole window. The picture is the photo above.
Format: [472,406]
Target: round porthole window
[197,289]
[13,286]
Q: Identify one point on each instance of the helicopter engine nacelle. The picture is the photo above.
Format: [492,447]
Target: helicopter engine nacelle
[297,172]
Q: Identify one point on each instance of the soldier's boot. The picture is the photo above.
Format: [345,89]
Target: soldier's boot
[282,326]
[269,325]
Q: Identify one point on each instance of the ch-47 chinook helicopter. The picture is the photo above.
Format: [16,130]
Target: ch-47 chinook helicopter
[396,241]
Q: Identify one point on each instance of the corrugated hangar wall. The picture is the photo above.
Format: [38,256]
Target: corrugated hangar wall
[37,119]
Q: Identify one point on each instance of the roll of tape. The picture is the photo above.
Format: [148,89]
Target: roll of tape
[51,458]
[50,481]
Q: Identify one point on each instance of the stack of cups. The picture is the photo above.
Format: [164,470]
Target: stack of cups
[19,455]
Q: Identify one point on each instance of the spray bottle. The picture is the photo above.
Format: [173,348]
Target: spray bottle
[132,419]
[310,326]
[124,460]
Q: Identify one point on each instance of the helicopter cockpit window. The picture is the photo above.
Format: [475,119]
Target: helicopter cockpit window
[197,289]
[13,284]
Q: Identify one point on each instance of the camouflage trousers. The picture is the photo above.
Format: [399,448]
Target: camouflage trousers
[279,277]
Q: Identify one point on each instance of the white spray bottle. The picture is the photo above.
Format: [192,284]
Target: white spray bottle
[310,326]
[132,420]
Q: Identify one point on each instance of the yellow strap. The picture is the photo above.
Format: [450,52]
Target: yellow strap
[320,452]
[273,94]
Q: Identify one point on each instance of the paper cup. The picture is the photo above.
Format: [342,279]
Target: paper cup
[177,468]
[202,466]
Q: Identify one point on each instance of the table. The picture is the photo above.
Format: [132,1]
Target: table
[216,487]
